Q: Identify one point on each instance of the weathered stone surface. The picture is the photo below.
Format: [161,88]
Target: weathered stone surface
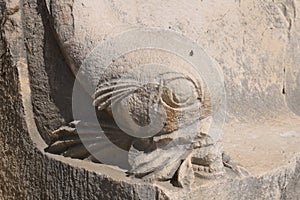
[26,171]
[137,82]
[251,40]
[241,24]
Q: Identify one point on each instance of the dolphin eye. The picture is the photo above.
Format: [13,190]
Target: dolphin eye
[179,92]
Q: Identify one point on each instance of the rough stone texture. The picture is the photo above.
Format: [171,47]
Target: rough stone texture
[292,73]
[52,85]
[261,133]
[26,172]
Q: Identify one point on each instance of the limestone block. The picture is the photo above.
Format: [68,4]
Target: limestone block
[43,44]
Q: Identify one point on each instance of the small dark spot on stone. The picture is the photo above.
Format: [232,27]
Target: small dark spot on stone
[170,27]
[191,53]
[3,74]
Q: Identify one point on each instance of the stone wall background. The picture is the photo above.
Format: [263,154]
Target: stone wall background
[26,172]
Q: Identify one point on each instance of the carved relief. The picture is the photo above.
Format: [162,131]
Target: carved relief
[156,96]
[131,100]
